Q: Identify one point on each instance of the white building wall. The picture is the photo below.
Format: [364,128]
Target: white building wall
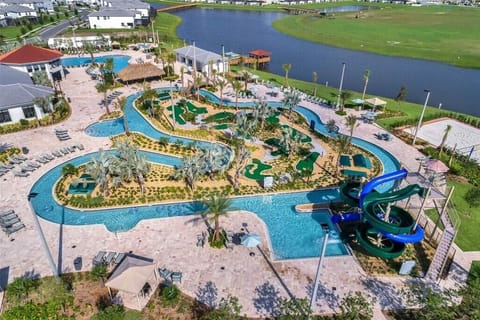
[111,22]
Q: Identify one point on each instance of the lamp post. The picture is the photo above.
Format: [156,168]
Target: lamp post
[341,85]
[173,107]
[319,267]
[42,236]
[421,117]
[223,61]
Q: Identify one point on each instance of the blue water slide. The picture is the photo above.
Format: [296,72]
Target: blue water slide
[415,237]
[372,184]
[346,217]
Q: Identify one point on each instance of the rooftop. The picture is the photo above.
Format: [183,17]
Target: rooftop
[17,94]
[201,55]
[29,54]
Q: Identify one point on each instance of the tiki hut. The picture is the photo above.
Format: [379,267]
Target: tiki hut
[140,72]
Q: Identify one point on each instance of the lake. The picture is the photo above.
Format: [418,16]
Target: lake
[454,88]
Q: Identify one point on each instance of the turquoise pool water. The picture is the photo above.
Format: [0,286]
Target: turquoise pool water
[292,235]
[119,61]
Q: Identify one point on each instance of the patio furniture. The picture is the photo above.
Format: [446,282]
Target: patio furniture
[176,276]
[99,258]
[7,223]
[109,257]
[20,174]
[165,273]
[119,258]
[4,213]
[13,229]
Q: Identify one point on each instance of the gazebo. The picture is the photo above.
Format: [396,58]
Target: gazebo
[140,72]
[135,279]
[374,102]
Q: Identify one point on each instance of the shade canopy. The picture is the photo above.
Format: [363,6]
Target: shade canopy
[358,101]
[250,240]
[354,173]
[375,102]
[131,275]
[141,71]
[436,166]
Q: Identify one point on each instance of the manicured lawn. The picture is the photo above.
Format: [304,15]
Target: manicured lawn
[308,162]
[442,33]
[254,169]
[221,117]
[10,32]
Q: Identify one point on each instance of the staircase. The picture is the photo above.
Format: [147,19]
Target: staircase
[441,255]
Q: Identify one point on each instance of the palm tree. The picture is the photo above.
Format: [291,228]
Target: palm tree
[286,67]
[246,78]
[149,95]
[171,57]
[222,83]
[244,127]
[366,76]
[242,157]
[121,103]
[197,82]
[182,74]
[40,77]
[100,169]
[190,171]
[262,111]
[290,141]
[290,102]
[212,160]
[447,130]
[237,86]
[216,207]
[351,123]
[104,87]
[69,170]
[344,96]
[315,79]
[132,164]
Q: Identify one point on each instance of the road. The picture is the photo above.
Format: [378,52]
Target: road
[56,29]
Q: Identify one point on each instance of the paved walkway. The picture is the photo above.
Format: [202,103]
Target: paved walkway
[208,274]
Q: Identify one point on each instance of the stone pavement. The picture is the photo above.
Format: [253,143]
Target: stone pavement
[208,274]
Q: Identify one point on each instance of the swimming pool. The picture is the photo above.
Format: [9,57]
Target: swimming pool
[292,235]
[119,61]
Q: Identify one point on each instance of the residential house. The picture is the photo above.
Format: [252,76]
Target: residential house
[201,60]
[13,12]
[30,58]
[19,97]
[112,19]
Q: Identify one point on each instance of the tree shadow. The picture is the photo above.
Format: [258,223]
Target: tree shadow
[266,301]
[324,294]
[388,296]
[207,294]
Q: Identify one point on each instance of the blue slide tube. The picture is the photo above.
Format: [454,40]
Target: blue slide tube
[417,236]
[372,184]
[346,217]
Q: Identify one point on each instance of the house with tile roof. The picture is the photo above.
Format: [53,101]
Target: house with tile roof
[19,97]
[30,58]
[201,60]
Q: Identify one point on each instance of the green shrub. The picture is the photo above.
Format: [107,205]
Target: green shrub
[170,295]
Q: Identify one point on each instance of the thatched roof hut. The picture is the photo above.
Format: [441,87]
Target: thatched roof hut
[140,72]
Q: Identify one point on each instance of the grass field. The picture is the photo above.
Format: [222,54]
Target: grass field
[442,33]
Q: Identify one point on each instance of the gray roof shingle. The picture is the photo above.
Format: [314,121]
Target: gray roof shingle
[10,75]
[201,56]
[12,95]
[112,13]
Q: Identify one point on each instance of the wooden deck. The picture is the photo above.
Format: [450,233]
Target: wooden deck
[249,60]
[176,7]
[293,10]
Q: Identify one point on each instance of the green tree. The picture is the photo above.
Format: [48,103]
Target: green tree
[246,76]
[366,77]
[20,288]
[294,309]
[40,77]
[290,141]
[190,170]
[121,103]
[344,96]
[242,157]
[222,83]
[100,169]
[216,207]
[99,272]
[447,130]
[148,95]
[354,306]
[286,67]
[113,312]
[351,123]
[290,102]
[342,144]
[261,112]
[331,126]
[237,87]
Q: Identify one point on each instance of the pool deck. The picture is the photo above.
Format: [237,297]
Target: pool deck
[220,272]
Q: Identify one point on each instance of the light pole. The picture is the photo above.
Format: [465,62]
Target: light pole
[319,267]
[42,236]
[223,60]
[173,107]
[341,85]
[421,117]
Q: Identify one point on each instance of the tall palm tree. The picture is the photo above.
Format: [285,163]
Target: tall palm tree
[216,207]
[447,130]
[246,78]
[100,169]
[290,102]
[366,77]
[182,74]
[104,88]
[315,80]
[121,103]
[149,95]
[331,126]
[286,67]
[351,123]
[290,141]
[171,57]
[244,127]
[212,160]
[237,87]
[344,96]
[197,82]
[242,157]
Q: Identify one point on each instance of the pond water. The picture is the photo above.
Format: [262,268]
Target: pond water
[241,31]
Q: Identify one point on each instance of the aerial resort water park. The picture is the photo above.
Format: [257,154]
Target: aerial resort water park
[194,185]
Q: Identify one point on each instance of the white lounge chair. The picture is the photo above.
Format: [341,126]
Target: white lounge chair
[20,174]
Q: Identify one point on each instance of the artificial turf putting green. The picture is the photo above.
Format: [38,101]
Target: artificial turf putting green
[257,166]
[221,126]
[194,109]
[308,162]
[178,114]
[220,117]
